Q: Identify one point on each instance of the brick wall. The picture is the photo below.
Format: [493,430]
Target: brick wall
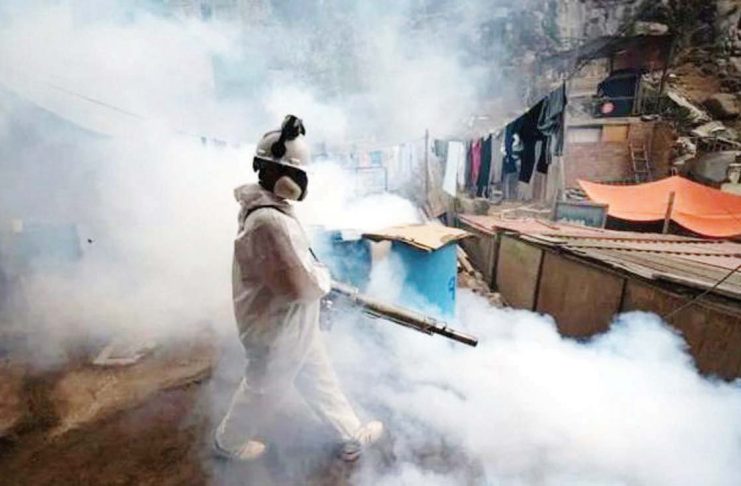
[601,161]
[662,145]
[610,161]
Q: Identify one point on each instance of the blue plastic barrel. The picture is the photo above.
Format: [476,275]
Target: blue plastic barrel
[347,255]
[430,277]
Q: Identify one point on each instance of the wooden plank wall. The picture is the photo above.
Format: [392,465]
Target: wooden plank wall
[713,335]
[517,271]
[583,299]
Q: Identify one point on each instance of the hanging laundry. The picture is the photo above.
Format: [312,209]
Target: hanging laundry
[497,162]
[541,130]
[440,149]
[511,170]
[475,163]
[456,158]
[482,184]
[524,191]
[543,160]
[509,186]
[551,124]
[509,164]
[464,171]
[530,136]
[552,119]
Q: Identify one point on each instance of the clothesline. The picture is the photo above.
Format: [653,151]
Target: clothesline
[527,143]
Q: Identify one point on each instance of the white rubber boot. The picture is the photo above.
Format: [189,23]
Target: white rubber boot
[365,436]
[252,450]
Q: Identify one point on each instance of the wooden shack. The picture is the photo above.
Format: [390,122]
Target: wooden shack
[583,277]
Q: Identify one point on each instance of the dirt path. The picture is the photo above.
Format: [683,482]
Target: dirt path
[147,437]
[159,443]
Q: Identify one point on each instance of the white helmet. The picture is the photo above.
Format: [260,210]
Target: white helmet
[280,157]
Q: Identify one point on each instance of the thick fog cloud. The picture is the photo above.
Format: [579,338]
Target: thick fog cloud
[108,115]
[534,408]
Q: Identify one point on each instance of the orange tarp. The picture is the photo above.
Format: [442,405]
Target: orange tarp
[701,209]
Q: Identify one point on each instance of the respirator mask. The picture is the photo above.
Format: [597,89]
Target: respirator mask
[283,179]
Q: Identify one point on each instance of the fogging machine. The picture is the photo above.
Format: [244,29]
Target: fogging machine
[399,315]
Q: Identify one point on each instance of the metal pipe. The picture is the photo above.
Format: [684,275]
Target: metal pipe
[401,316]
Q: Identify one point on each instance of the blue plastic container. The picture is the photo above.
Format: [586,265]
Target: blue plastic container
[430,277]
[347,255]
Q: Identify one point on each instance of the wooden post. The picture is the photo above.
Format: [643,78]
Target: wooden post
[668,215]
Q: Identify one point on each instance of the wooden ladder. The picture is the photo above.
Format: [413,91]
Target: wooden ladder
[641,165]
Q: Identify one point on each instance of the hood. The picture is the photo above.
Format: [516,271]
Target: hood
[251,196]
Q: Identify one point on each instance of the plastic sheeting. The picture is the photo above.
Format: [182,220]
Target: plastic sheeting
[701,209]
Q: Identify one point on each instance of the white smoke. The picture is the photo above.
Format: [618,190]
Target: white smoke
[534,408]
[525,407]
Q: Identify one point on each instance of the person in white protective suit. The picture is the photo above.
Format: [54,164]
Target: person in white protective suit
[277,288]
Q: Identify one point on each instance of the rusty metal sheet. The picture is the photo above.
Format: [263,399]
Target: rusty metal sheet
[669,268]
[583,299]
[678,248]
[518,267]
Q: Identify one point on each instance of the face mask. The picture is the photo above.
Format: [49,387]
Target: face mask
[286,188]
[286,181]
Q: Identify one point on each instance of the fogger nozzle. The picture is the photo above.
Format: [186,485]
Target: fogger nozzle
[399,315]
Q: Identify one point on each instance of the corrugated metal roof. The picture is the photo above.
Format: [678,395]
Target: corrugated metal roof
[493,224]
[691,262]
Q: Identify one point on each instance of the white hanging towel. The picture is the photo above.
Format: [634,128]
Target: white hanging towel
[456,159]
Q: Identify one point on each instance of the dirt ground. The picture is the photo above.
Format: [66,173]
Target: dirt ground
[151,423]
[165,439]
[157,443]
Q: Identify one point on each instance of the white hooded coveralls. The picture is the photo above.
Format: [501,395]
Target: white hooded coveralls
[277,287]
